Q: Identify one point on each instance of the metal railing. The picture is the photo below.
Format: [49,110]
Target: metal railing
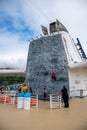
[56,101]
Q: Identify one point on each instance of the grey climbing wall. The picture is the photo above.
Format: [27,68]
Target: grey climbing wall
[47,54]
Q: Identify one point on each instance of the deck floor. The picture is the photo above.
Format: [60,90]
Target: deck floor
[43,118]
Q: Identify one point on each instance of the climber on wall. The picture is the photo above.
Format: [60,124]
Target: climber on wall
[53,76]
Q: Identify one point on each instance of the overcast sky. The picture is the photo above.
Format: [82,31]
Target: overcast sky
[21,20]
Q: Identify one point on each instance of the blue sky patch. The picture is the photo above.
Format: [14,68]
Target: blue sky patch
[21,29]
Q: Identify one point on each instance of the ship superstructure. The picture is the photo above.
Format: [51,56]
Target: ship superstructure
[56,52]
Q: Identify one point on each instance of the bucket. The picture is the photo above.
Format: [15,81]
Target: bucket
[20,102]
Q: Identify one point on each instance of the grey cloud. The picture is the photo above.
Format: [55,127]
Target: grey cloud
[72,13]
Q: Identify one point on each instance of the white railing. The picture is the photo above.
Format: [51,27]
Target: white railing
[11,98]
[8,98]
[34,101]
[78,93]
[56,101]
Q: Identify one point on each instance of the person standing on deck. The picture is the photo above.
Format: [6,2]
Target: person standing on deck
[45,94]
[30,89]
[65,96]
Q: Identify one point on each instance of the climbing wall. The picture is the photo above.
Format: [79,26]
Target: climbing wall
[46,55]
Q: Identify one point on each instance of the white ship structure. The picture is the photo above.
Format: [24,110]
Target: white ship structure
[77,61]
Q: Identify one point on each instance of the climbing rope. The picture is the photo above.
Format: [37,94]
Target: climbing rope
[53,75]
